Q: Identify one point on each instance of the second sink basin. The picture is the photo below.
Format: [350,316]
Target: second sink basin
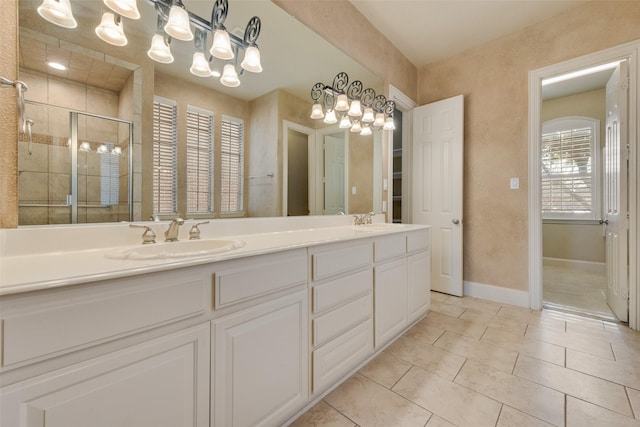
[181,249]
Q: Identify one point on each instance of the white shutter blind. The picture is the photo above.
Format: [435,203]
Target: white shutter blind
[568,173]
[199,162]
[232,161]
[164,157]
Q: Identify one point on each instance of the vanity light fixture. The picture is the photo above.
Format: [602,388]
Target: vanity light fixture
[102,149]
[178,24]
[126,8]
[111,29]
[160,50]
[200,66]
[58,12]
[84,146]
[348,100]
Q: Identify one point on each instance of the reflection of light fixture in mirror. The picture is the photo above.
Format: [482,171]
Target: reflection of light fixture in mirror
[200,65]
[85,146]
[111,29]
[102,149]
[230,76]
[342,96]
[58,12]
[116,151]
[178,24]
[56,66]
[330,117]
[126,8]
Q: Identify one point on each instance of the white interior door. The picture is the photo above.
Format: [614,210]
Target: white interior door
[334,161]
[437,187]
[616,157]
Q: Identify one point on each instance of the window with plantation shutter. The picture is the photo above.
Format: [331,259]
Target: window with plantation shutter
[199,161]
[232,160]
[164,156]
[109,176]
[570,169]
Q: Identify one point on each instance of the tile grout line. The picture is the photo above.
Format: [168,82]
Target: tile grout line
[633,412]
[340,412]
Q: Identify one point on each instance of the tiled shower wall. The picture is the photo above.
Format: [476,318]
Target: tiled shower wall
[45,164]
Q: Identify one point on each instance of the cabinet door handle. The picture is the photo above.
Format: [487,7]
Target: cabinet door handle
[604,221]
[456,221]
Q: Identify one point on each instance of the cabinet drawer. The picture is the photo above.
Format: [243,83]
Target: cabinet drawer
[340,259]
[341,319]
[390,246]
[336,358]
[70,319]
[240,280]
[418,240]
[330,294]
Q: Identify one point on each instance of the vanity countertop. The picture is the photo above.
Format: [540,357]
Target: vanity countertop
[22,270]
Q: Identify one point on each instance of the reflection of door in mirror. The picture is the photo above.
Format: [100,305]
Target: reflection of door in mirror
[334,171]
[297,173]
[75,169]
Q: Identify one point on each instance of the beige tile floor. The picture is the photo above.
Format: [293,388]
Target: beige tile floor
[476,363]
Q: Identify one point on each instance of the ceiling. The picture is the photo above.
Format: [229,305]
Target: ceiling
[427,31]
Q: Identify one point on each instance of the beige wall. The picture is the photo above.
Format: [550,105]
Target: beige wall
[360,173]
[494,79]
[576,241]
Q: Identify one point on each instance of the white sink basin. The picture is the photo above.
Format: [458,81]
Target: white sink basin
[181,249]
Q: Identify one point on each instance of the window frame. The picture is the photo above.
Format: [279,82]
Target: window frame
[563,124]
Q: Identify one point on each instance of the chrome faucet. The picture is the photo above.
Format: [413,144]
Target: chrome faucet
[361,219]
[171,235]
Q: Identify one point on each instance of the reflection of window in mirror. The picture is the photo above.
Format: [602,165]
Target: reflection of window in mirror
[570,168]
[232,159]
[199,161]
[165,156]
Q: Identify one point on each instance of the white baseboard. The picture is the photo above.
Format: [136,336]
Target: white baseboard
[497,294]
[574,264]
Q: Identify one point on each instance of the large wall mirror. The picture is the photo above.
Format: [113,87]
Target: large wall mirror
[89,157]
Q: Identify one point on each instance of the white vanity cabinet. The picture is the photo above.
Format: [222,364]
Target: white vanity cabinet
[401,282]
[163,382]
[341,310]
[260,353]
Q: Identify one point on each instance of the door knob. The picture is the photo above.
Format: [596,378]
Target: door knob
[604,221]
[456,221]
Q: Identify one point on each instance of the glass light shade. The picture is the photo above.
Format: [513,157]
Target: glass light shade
[126,8]
[388,124]
[330,117]
[379,121]
[366,130]
[85,146]
[160,51]
[345,123]
[58,12]
[342,103]
[116,151]
[356,127]
[316,112]
[367,117]
[200,65]
[355,110]
[102,149]
[230,76]
[178,25]
[251,61]
[221,47]
[111,31]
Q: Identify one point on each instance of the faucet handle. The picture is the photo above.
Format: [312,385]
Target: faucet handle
[194,232]
[148,236]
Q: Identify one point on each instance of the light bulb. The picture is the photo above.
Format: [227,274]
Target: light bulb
[345,122]
[355,110]
[221,47]
[200,66]
[342,103]
[102,149]
[251,60]
[178,24]
[355,127]
[379,121]
[126,8]
[330,117]
[230,76]
[58,12]
[316,112]
[111,30]
[366,131]
[388,124]
[116,151]
[160,51]
[367,117]
[85,146]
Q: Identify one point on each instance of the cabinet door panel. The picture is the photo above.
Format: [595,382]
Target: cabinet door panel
[163,382]
[261,363]
[390,300]
[419,272]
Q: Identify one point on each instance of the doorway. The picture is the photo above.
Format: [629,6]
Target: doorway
[544,231]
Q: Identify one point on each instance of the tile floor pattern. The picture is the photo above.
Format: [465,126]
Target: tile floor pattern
[476,363]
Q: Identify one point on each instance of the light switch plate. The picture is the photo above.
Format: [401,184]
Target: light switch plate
[353,190]
[514,183]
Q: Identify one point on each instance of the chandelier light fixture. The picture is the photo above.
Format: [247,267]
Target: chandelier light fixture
[175,22]
[357,109]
